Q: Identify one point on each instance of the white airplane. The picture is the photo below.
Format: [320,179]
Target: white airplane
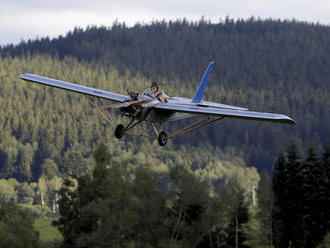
[144,107]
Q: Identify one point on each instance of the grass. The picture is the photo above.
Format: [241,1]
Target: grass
[46,230]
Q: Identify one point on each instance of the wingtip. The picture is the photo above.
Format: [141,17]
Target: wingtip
[288,120]
[26,76]
[22,76]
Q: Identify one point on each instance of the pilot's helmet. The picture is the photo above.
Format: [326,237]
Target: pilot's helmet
[154,84]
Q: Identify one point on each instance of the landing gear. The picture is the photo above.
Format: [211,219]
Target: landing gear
[119,131]
[162,138]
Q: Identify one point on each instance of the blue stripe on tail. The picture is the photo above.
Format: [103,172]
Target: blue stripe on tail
[202,85]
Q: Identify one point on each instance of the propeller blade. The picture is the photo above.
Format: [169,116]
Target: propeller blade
[127,104]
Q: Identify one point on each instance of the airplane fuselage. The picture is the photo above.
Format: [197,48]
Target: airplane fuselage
[147,112]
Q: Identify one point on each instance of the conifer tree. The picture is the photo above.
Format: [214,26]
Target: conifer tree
[325,190]
[279,181]
[286,185]
[265,199]
[300,210]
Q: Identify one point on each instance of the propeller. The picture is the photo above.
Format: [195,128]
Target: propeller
[127,104]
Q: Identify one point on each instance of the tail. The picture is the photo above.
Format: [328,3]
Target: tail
[202,85]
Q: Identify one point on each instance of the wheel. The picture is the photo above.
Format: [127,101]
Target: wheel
[162,138]
[119,131]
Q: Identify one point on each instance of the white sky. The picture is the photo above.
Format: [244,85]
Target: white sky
[28,19]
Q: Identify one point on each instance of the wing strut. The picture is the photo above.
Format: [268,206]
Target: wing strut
[101,111]
[195,125]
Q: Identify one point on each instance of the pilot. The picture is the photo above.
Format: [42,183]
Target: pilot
[154,93]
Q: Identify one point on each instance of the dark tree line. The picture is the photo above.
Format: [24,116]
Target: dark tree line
[301,186]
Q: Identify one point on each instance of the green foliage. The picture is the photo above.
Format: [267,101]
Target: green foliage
[16,227]
[43,193]
[326,242]
[133,207]
[49,169]
[37,211]
[7,190]
[47,232]
[265,198]
[239,215]
[26,192]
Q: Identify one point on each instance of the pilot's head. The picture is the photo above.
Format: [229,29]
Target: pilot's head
[154,87]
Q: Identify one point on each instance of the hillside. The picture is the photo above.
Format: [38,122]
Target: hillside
[47,135]
[271,66]
[40,123]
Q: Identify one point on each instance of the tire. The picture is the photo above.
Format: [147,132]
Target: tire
[119,131]
[162,138]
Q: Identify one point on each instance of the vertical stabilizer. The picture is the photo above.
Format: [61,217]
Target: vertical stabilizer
[202,85]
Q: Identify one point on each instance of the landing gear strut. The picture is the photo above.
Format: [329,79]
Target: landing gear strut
[121,129]
[162,138]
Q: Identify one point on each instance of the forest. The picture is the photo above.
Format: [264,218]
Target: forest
[228,177]
[133,206]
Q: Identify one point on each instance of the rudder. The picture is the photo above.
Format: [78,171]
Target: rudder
[202,85]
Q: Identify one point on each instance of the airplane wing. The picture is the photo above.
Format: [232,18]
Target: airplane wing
[74,87]
[230,113]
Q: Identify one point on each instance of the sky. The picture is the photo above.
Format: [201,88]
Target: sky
[31,19]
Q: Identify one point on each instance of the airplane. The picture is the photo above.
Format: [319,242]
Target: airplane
[143,108]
